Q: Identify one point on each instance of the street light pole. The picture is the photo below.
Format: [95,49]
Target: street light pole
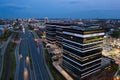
[117,76]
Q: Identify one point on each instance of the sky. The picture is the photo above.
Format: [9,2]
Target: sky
[60,8]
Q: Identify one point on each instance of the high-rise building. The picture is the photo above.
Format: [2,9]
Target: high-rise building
[81,45]
[59,30]
[51,33]
[59,33]
[82,50]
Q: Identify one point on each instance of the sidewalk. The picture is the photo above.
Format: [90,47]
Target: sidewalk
[62,71]
[54,49]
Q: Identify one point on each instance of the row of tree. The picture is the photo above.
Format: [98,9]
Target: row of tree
[116,34]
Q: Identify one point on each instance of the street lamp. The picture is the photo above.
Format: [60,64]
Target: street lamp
[116,78]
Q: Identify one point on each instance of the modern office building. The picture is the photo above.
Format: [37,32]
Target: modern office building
[59,33]
[54,32]
[51,33]
[81,47]
[82,50]
[59,30]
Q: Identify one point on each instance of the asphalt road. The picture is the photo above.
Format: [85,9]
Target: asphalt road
[37,59]
[29,46]
[23,66]
[41,51]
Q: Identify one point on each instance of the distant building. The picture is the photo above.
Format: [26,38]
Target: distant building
[0,32]
[2,29]
[46,20]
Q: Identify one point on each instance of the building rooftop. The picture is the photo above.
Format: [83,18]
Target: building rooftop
[60,24]
[83,27]
[86,27]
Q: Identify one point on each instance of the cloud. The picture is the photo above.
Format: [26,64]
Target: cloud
[11,5]
[75,1]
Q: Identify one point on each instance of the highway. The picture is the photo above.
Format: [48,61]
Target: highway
[37,58]
[28,49]
[17,61]
[25,50]
[42,54]
[24,67]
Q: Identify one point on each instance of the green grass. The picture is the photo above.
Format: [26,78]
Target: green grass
[11,65]
[31,66]
[40,35]
[3,72]
[30,27]
[5,36]
[55,73]
[13,62]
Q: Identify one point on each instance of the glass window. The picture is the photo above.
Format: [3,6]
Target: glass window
[82,61]
[71,68]
[82,67]
[94,31]
[82,54]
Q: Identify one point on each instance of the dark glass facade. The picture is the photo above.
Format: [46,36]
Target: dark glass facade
[81,54]
[59,35]
[83,40]
[82,50]
[81,47]
[51,33]
[83,31]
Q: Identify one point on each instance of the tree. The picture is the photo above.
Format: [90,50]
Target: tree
[116,34]
[30,27]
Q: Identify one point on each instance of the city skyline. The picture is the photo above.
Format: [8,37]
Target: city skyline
[60,9]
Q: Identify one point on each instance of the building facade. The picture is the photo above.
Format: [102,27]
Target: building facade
[82,50]
[51,33]
[59,31]
[81,45]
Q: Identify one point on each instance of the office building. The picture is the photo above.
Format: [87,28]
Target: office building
[81,45]
[59,33]
[82,50]
[51,33]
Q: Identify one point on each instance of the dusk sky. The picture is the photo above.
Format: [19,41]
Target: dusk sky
[60,8]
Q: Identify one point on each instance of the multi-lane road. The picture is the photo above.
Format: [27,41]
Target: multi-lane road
[29,49]
[42,54]
[29,58]
[40,71]
[24,66]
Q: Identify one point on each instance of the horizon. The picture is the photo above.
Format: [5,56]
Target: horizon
[59,18]
[74,9]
